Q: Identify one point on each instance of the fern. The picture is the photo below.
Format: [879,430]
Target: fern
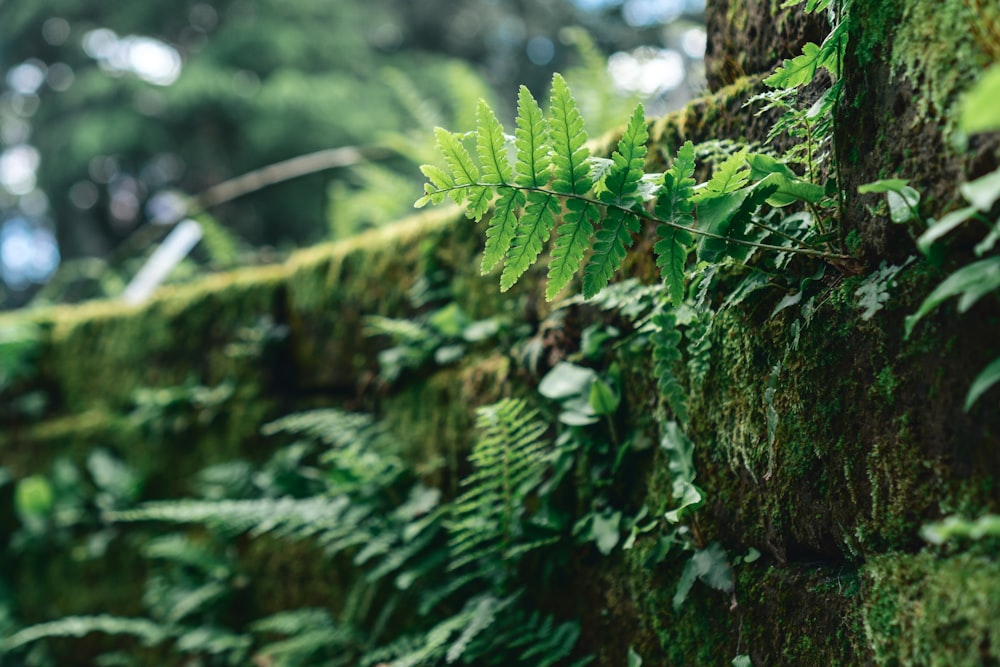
[571,176]
[78,626]
[532,174]
[666,355]
[509,458]
[674,205]
[555,179]
[621,187]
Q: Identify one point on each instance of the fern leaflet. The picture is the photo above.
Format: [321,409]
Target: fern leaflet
[621,193]
[571,176]
[674,205]
[490,146]
[464,172]
[666,355]
[533,230]
[503,225]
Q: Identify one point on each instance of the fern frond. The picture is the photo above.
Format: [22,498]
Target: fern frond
[333,427]
[571,244]
[731,175]
[491,148]
[571,175]
[666,355]
[464,172]
[610,248]
[533,162]
[509,458]
[802,69]
[502,227]
[629,160]
[621,186]
[674,205]
[78,626]
[570,168]
[533,230]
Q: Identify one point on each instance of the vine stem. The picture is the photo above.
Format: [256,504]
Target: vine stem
[646,215]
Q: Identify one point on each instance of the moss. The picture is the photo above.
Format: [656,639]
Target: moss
[935,46]
[933,610]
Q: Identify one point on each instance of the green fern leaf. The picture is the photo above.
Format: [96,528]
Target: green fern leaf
[571,175]
[491,148]
[610,248]
[533,230]
[802,69]
[502,227]
[464,172]
[666,355]
[732,174]
[571,170]
[622,181]
[571,243]
[533,162]
[437,189]
[674,205]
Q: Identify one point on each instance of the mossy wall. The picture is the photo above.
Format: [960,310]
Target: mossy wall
[868,439]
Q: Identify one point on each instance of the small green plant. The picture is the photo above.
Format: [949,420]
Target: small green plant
[601,204]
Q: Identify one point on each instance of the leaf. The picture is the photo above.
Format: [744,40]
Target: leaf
[533,162]
[802,69]
[680,463]
[566,380]
[570,155]
[742,660]
[572,240]
[666,355]
[464,172]
[732,175]
[633,658]
[972,282]
[986,379]
[792,190]
[605,530]
[502,227]
[984,191]
[979,109]
[903,200]
[727,216]
[710,566]
[940,228]
[622,180]
[610,248]
[533,230]
[602,399]
[674,206]
[491,147]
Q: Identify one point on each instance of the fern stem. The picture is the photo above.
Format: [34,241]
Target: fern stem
[645,215]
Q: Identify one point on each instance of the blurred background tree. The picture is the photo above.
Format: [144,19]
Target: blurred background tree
[111,111]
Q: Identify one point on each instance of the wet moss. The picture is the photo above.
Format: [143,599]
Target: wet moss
[932,610]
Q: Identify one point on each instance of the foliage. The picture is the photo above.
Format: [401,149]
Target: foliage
[602,202]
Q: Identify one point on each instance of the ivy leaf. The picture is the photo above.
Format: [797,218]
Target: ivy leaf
[491,146]
[971,282]
[673,205]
